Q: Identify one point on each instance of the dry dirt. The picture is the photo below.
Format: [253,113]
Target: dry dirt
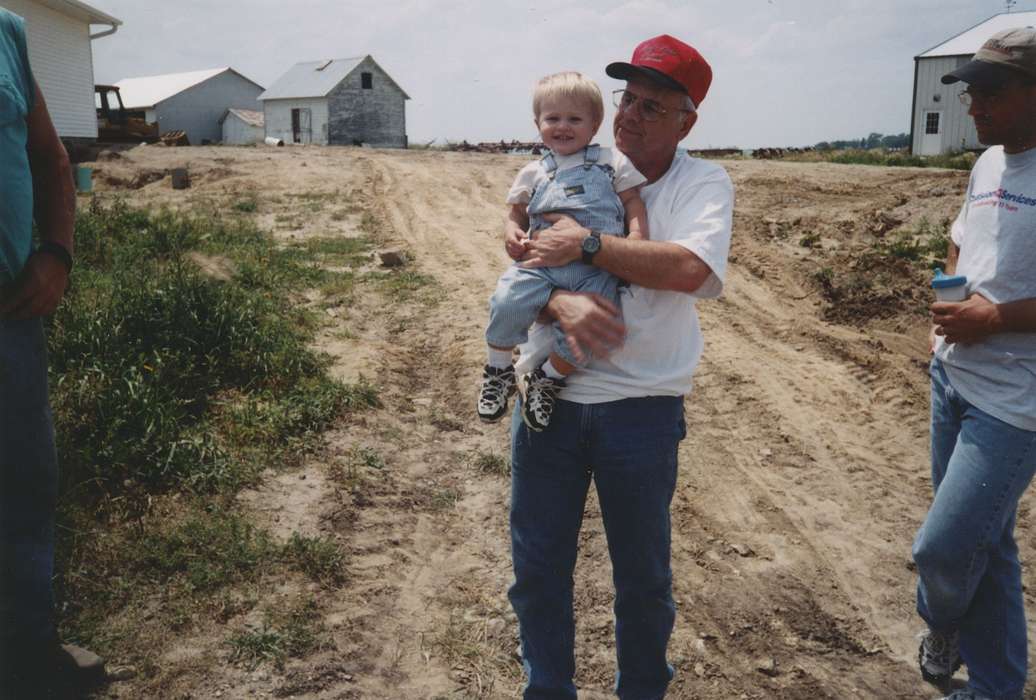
[803,475]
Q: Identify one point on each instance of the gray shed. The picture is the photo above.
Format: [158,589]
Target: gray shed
[939,122]
[192,102]
[343,102]
[242,127]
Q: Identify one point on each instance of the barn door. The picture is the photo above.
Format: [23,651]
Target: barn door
[931,132]
[306,125]
[301,125]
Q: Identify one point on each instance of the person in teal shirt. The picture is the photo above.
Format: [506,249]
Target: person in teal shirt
[35,185]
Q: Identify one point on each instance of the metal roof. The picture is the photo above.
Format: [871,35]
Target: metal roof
[970,40]
[315,79]
[248,116]
[142,93]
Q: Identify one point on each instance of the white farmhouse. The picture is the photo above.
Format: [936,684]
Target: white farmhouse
[940,123]
[345,102]
[192,102]
[61,54]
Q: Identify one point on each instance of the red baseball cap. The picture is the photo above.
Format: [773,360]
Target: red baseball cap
[670,63]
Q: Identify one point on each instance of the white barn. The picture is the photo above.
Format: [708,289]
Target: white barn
[192,102]
[345,102]
[61,53]
[242,127]
[939,122]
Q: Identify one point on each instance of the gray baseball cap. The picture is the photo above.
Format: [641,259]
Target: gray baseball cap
[1007,54]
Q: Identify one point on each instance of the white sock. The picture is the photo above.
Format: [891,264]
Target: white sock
[498,359]
[551,371]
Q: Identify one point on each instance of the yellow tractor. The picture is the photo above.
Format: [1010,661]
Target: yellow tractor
[115,124]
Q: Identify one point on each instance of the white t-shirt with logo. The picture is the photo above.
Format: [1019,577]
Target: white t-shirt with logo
[691,206]
[996,233]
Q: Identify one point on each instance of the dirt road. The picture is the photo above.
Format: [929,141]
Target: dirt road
[803,475]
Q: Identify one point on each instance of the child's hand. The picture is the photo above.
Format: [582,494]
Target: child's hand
[516,241]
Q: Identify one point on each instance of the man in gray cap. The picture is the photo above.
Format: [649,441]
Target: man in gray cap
[984,392]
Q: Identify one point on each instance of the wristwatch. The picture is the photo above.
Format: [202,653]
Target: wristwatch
[591,246]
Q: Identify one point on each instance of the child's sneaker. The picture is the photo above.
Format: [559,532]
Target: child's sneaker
[538,395]
[939,657]
[498,386]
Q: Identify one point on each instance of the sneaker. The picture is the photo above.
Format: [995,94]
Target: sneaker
[58,672]
[538,395]
[965,695]
[938,656]
[498,386]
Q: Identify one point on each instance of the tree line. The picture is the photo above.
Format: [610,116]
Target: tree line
[873,140]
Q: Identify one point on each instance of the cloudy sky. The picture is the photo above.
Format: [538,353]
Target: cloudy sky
[787,72]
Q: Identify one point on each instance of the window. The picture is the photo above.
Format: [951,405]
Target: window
[366,81]
[931,123]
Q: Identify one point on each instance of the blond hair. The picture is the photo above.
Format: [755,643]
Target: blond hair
[569,85]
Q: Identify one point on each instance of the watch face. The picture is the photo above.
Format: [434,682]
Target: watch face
[591,244]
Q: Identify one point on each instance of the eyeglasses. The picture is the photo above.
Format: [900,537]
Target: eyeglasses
[650,110]
[966,97]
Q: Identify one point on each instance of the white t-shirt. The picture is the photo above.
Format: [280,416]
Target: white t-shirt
[533,174]
[691,205]
[996,233]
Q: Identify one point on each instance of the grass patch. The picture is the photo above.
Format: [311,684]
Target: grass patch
[490,463]
[280,636]
[318,558]
[404,285]
[171,390]
[888,158]
[206,552]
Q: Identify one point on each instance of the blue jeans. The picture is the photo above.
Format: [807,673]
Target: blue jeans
[28,489]
[628,448]
[967,560]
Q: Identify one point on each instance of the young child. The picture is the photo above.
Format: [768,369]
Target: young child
[597,187]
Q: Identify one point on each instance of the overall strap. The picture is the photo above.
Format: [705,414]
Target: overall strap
[591,154]
[549,163]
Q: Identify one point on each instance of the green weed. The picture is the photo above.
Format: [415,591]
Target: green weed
[318,558]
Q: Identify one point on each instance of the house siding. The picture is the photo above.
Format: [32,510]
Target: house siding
[277,114]
[62,61]
[237,132]
[375,116]
[197,110]
[958,129]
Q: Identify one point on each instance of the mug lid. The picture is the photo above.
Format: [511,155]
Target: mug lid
[944,281]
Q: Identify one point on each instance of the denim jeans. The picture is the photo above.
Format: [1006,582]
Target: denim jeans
[629,449]
[967,560]
[28,489]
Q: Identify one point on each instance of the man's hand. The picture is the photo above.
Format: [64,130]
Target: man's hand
[589,321]
[558,245]
[966,321]
[37,291]
[516,241]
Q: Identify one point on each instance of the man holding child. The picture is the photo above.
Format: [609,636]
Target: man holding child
[618,421]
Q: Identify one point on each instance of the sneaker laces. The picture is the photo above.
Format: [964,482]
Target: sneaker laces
[497,385]
[543,390]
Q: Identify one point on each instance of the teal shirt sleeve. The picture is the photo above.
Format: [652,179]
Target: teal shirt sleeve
[17,98]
